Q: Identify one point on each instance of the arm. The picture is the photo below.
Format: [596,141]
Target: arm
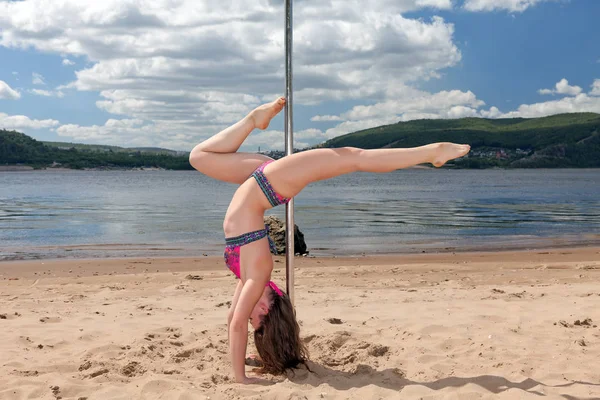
[234,301]
[238,332]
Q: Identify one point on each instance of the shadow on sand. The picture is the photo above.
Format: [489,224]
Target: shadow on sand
[364,375]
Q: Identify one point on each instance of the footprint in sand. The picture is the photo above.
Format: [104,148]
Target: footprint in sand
[98,373]
[171,372]
[520,295]
[85,366]
[378,350]
[339,361]
[133,368]
[339,339]
[55,391]
[219,379]
[26,373]
[585,323]
[186,355]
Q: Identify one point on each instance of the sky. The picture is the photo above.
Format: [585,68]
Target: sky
[171,73]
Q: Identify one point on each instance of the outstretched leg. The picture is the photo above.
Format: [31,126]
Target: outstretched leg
[217,157]
[291,174]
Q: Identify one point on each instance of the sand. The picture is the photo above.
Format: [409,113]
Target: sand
[504,325]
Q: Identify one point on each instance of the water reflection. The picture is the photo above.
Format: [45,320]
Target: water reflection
[77,214]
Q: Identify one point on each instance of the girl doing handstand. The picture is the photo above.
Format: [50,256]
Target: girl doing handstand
[265,183]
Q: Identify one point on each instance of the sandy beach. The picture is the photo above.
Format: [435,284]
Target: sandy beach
[498,325]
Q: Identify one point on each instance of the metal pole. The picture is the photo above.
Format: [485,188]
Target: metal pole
[289,149]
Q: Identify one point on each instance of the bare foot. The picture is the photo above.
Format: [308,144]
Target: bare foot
[449,151]
[263,115]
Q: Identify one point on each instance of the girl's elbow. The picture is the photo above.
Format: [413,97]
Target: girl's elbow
[238,324]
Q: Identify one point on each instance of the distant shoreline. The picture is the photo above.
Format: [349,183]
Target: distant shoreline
[27,168]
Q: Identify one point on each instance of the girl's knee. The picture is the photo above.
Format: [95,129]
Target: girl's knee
[351,151]
[352,155]
[197,159]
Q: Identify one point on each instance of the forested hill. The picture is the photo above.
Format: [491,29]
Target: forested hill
[19,149]
[565,140]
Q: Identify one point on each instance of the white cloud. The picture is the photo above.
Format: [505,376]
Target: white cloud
[47,93]
[37,79]
[353,126]
[178,71]
[41,92]
[134,133]
[438,4]
[409,104]
[595,88]
[265,140]
[562,87]
[312,135]
[6,92]
[23,122]
[580,103]
[325,118]
[507,5]
[493,112]
[205,64]
[275,139]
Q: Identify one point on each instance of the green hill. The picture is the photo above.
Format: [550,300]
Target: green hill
[80,146]
[105,148]
[19,149]
[565,140]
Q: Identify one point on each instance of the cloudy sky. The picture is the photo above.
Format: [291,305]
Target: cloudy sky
[170,73]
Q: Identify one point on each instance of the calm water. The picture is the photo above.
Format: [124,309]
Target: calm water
[131,213]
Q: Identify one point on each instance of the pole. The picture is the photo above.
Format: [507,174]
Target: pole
[289,149]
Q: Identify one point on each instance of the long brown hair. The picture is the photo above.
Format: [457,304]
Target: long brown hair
[278,337]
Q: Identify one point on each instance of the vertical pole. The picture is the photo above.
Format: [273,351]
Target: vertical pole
[289,149]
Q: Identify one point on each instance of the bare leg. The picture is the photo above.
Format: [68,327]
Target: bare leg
[217,157]
[291,174]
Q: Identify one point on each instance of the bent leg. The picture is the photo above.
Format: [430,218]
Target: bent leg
[217,157]
[291,174]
